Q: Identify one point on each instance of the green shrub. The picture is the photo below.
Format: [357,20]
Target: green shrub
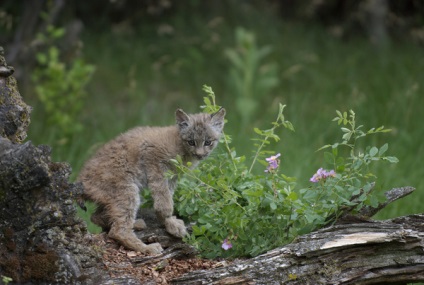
[60,87]
[236,212]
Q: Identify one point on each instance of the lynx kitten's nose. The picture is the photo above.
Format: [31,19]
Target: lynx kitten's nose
[201,154]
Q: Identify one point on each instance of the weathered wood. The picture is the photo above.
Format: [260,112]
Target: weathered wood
[391,195]
[374,252]
[367,211]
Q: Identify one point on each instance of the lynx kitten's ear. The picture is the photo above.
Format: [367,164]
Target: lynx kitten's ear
[182,118]
[217,120]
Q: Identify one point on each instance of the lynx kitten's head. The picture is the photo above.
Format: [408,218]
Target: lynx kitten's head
[200,132]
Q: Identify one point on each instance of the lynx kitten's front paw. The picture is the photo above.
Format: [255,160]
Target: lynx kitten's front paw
[175,227]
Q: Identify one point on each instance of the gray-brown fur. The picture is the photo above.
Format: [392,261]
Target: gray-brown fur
[138,159]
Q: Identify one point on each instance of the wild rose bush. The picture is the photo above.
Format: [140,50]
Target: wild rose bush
[236,212]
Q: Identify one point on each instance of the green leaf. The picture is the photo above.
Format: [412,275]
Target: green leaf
[292,196]
[324,147]
[383,130]
[340,168]
[373,151]
[373,201]
[347,136]
[357,164]
[254,192]
[391,159]
[288,125]
[312,217]
[340,161]
[207,101]
[383,149]
[328,157]
[288,178]
[197,231]
[258,131]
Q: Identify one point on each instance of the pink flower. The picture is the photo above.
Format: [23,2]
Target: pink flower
[322,174]
[226,245]
[273,162]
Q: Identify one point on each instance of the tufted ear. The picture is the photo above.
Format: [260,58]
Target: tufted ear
[183,120]
[217,119]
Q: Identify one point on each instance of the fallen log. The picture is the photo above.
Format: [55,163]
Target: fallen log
[371,252]
[356,250]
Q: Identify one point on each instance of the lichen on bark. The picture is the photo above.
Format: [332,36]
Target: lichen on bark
[41,238]
[14,113]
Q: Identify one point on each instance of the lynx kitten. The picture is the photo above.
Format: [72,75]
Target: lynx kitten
[138,159]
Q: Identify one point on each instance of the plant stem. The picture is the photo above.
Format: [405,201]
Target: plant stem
[227,147]
[257,153]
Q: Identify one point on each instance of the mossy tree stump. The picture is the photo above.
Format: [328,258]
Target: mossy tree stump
[41,238]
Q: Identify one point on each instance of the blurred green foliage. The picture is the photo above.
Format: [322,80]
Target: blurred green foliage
[60,87]
[249,76]
[143,73]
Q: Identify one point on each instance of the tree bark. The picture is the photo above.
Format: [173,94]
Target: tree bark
[41,238]
[372,252]
[14,113]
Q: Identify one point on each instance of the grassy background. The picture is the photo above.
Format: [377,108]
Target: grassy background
[143,74]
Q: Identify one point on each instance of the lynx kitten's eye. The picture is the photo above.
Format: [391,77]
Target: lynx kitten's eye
[207,143]
[191,143]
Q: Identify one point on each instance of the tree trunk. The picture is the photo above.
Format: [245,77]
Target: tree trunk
[376,24]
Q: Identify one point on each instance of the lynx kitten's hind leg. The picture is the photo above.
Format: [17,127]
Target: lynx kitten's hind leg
[129,240]
[122,214]
[100,218]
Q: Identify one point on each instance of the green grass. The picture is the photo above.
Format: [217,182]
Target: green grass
[142,77]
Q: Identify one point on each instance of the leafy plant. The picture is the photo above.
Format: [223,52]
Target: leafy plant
[354,170]
[60,86]
[6,280]
[249,76]
[236,212]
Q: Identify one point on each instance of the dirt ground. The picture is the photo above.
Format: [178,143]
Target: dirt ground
[122,263]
